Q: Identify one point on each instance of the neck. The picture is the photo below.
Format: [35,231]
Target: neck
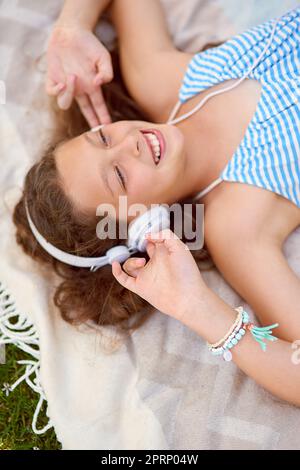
[201,163]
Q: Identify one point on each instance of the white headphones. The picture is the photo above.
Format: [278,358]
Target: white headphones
[155,219]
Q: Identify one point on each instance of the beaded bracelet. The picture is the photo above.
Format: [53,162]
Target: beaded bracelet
[237,332]
[232,328]
[233,338]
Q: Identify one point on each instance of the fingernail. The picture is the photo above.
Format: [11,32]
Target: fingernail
[153,235]
[106,120]
[98,81]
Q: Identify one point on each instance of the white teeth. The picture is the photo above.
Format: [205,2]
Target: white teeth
[155,145]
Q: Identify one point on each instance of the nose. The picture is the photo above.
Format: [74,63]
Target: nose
[128,147]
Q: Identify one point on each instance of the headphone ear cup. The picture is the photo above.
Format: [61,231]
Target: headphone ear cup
[153,220]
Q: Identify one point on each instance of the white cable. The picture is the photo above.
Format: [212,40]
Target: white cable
[218,92]
[208,188]
[177,106]
[174,112]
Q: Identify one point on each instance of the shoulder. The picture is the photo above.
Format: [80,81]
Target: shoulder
[239,215]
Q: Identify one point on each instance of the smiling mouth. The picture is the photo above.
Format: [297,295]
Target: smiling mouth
[155,142]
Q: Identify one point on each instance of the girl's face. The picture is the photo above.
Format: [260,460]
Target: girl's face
[118,160]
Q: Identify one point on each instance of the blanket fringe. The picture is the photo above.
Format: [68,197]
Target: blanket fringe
[17,329]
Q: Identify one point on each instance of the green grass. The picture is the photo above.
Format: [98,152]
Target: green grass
[17,409]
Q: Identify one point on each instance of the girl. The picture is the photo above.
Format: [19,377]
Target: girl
[241,151]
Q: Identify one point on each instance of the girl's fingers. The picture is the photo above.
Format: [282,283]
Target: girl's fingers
[132,266]
[169,238]
[126,281]
[104,71]
[87,110]
[52,88]
[161,236]
[99,106]
[154,237]
[150,248]
[98,80]
[64,100]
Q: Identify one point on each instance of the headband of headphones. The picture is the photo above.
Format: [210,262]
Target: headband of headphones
[153,220]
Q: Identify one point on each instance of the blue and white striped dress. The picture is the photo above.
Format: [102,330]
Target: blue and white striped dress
[269,154]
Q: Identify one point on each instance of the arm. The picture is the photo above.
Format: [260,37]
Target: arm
[273,369]
[146,23]
[172,283]
[77,61]
[152,68]
[254,265]
[82,13]
[257,269]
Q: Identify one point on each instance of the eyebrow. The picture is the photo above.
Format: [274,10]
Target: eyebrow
[103,173]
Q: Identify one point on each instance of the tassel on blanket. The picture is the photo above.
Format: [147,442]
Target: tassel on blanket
[16,328]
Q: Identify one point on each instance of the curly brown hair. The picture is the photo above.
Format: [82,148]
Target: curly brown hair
[81,294]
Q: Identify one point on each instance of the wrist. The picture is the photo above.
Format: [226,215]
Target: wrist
[82,14]
[62,25]
[208,315]
[194,300]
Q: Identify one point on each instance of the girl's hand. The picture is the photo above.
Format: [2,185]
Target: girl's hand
[170,280]
[76,52]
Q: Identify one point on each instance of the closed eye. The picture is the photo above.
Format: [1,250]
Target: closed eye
[120,176]
[102,136]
